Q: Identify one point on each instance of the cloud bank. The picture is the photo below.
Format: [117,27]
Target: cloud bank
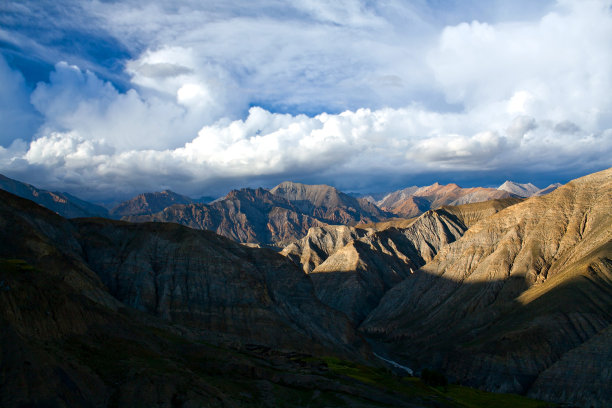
[219,98]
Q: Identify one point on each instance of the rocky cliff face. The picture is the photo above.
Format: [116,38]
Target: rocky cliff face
[247,215]
[276,217]
[203,280]
[352,268]
[179,274]
[354,278]
[513,297]
[149,203]
[63,204]
[414,201]
[319,243]
[325,202]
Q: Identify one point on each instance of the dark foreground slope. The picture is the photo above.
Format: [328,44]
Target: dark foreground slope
[59,348]
[521,303]
[74,329]
[182,275]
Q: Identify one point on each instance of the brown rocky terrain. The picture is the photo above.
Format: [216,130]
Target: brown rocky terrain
[88,311]
[413,201]
[179,274]
[203,280]
[548,189]
[518,301]
[319,243]
[246,215]
[470,214]
[149,203]
[352,268]
[354,278]
[67,338]
[63,204]
[325,202]
[276,217]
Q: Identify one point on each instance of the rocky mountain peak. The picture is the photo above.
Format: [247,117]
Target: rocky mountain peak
[149,203]
[521,190]
[413,201]
[317,195]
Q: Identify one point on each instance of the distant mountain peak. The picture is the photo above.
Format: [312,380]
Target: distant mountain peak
[521,190]
[290,186]
[149,203]
[413,201]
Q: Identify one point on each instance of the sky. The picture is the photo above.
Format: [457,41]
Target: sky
[106,99]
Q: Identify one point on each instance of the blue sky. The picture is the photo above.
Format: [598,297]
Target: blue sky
[107,99]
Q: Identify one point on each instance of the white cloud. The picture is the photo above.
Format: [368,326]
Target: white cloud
[79,101]
[531,95]
[557,67]
[396,141]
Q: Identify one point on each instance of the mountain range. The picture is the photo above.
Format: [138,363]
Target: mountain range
[510,295]
[518,302]
[98,312]
[274,217]
[351,268]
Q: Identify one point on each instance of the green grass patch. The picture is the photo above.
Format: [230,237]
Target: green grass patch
[15,265]
[452,395]
[473,398]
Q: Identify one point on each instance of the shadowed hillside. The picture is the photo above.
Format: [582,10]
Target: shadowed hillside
[87,311]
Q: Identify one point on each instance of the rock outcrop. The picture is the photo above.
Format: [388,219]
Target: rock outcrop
[319,243]
[352,268]
[354,278]
[515,297]
[327,203]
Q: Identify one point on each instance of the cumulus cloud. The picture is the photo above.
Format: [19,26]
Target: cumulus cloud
[557,67]
[208,88]
[18,118]
[79,101]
